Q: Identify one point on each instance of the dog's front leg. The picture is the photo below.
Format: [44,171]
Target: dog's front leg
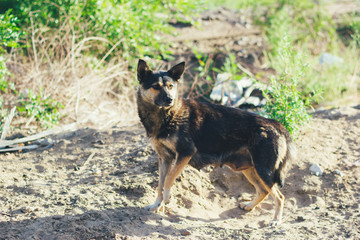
[163,168]
[174,171]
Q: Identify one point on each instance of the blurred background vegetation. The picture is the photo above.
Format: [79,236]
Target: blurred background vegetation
[73,60]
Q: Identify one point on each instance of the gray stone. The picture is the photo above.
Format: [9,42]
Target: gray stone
[316,169]
[338,172]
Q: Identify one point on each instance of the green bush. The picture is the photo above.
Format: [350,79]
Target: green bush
[43,109]
[285,102]
[311,31]
[9,35]
[136,26]
[306,24]
[9,31]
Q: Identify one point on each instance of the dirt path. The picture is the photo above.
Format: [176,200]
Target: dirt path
[94,185]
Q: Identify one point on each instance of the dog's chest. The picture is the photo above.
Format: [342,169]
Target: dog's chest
[158,125]
[164,147]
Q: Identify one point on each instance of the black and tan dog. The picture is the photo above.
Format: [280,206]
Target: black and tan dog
[197,133]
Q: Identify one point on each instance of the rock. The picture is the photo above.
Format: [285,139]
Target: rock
[237,92]
[338,172]
[316,169]
[253,100]
[329,59]
[25,210]
[45,143]
[226,89]
[300,219]
[318,202]
[185,233]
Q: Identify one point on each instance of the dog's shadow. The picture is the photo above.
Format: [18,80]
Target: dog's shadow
[234,213]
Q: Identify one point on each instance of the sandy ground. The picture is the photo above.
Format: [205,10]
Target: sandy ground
[94,184]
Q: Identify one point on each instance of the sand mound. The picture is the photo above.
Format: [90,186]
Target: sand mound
[94,185]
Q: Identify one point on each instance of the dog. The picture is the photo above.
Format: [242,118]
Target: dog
[186,131]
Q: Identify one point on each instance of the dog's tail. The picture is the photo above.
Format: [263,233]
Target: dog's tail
[283,160]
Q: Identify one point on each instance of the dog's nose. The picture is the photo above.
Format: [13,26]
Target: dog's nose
[168,99]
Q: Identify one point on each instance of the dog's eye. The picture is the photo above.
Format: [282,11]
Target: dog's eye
[156,87]
[170,86]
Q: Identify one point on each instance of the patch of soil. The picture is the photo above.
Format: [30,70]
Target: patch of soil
[94,184]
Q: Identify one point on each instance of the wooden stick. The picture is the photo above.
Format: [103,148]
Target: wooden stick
[28,147]
[7,123]
[87,160]
[5,143]
[245,70]
[5,214]
[216,36]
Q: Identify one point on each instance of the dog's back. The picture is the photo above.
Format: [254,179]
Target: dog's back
[238,138]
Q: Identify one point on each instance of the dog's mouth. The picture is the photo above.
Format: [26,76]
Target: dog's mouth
[164,103]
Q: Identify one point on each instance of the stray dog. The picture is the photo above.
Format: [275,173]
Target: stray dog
[184,131]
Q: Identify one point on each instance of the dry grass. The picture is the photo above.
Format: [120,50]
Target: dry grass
[93,91]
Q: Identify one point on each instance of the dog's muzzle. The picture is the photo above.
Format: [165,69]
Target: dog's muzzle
[165,102]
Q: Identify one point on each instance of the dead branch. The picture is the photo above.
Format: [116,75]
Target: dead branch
[7,123]
[28,147]
[5,143]
[217,36]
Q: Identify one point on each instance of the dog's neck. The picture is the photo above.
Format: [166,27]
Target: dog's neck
[156,119]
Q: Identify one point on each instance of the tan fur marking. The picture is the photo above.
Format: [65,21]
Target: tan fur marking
[241,168]
[282,148]
[244,151]
[153,91]
[262,190]
[173,172]
[149,95]
[158,83]
[279,203]
[169,84]
[167,142]
[263,132]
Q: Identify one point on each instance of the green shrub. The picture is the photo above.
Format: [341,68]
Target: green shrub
[136,26]
[9,35]
[306,24]
[285,102]
[311,32]
[9,31]
[43,109]
[205,65]
[355,29]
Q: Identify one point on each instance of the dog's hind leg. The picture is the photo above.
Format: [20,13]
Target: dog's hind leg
[279,204]
[163,169]
[261,189]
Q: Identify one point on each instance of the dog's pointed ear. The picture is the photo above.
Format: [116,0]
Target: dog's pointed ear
[177,71]
[143,70]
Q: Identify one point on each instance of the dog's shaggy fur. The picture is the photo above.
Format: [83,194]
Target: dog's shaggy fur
[198,133]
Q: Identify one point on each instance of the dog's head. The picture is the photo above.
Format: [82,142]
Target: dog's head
[159,88]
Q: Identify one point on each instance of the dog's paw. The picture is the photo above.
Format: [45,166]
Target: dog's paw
[153,207]
[163,208]
[160,208]
[248,206]
[166,196]
[275,223]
